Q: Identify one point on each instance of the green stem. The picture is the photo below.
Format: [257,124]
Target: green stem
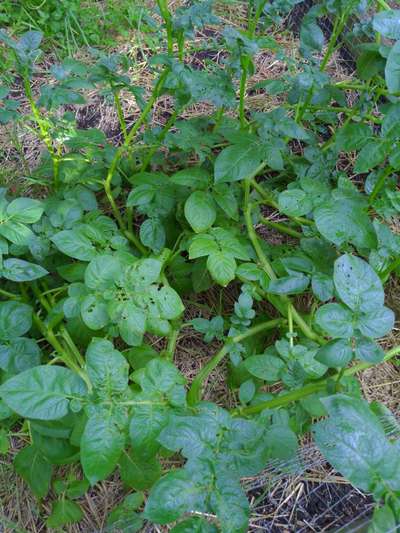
[274,299]
[194,394]
[44,132]
[120,112]
[347,111]
[72,346]
[282,400]
[290,325]
[286,399]
[256,244]
[338,27]
[268,200]
[395,264]
[244,62]
[43,301]
[9,295]
[282,228]
[305,328]
[218,118]
[380,183]
[167,126]
[166,15]
[172,340]
[114,163]
[383,4]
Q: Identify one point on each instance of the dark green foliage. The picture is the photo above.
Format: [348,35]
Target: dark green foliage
[97,276]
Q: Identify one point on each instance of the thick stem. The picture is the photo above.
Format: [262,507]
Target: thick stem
[282,228]
[44,133]
[167,126]
[290,325]
[166,15]
[242,90]
[120,112]
[302,324]
[194,394]
[114,163]
[9,295]
[290,397]
[380,184]
[338,27]
[268,200]
[172,340]
[383,4]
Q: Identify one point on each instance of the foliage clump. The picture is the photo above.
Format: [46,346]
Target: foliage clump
[106,262]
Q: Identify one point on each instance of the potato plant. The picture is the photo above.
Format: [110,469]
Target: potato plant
[105,262]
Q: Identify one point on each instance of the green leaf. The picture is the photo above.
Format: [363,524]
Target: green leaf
[336,320]
[371,155]
[230,504]
[377,323]
[15,319]
[246,391]
[211,329]
[226,200]
[352,439]
[357,284]
[352,136]
[236,162]
[311,36]
[139,356]
[30,464]
[367,350]
[194,525]
[25,210]
[74,244]
[152,234]
[123,517]
[202,245]
[172,496]
[195,177]
[102,271]
[30,41]
[107,368]
[289,285]
[94,312]
[43,392]
[383,519]
[342,221]
[169,302]
[146,425]
[230,244]
[19,354]
[322,286]
[200,211]
[4,442]
[16,232]
[392,69]
[222,267]
[132,324]
[138,472]
[387,23]
[20,270]
[294,202]
[64,512]
[264,366]
[282,442]
[336,353]
[101,446]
